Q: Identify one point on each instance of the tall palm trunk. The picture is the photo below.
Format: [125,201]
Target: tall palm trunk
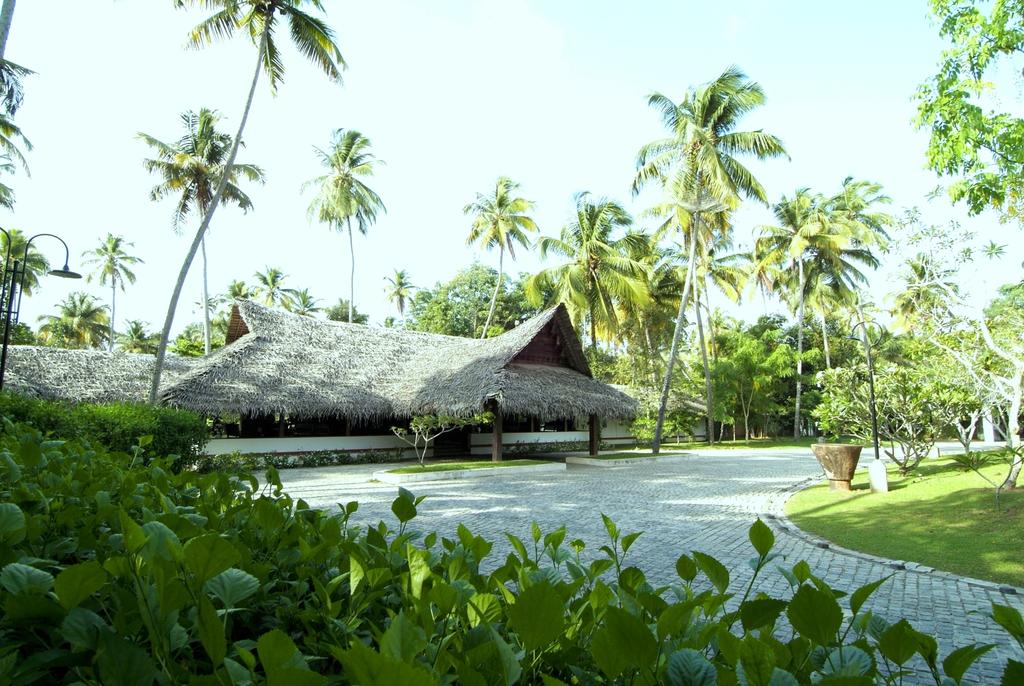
[824,339]
[651,355]
[799,349]
[161,351]
[497,289]
[352,271]
[6,15]
[113,311]
[206,303]
[676,335]
[708,398]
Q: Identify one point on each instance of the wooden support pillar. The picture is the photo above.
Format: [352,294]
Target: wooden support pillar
[595,434]
[496,436]
[280,426]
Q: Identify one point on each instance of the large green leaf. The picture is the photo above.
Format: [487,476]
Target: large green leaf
[815,615]
[367,667]
[211,632]
[277,651]
[847,661]
[755,614]
[960,660]
[232,586]
[538,616]
[623,642]
[18,578]
[403,639]
[12,523]
[78,582]
[81,628]
[899,643]
[208,555]
[860,596]
[161,543]
[714,570]
[757,661]
[689,668]
[1010,619]
[404,506]
[122,663]
[761,537]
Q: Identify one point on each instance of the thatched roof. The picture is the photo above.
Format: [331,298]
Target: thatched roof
[280,362]
[86,375]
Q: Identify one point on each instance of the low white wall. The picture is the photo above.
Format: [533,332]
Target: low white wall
[308,444]
[480,444]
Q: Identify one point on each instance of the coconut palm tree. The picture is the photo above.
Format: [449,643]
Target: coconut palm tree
[190,170]
[137,339]
[814,240]
[698,165]
[238,290]
[270,287]
[925,283]
[500,220]
[342,195]
[301,302]
[34,267]
[113,266]
[599,273]
[399,290]
[81,322]
[258,20]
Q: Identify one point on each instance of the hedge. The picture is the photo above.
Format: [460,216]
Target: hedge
[115,426]
[120,572]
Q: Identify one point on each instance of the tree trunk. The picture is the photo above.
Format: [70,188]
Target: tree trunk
[352,271]
[708,397]
[676,335]
[161,351]
[497,289]
[651,353]
[593,331]
[824,339]
[206,303]
[6,15]
[113,311]
[799,349]
[1013,431]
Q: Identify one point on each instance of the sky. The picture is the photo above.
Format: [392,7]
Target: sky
[453,94]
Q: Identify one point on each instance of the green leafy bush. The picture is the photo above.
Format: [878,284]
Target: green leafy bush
[116,426]
[120,572]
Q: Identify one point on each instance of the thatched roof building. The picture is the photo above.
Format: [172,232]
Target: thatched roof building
[277,363]
[86,375]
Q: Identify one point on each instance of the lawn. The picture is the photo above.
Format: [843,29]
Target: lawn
[779,443]
[455,466]
[942,516]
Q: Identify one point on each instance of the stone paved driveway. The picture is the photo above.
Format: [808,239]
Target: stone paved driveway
[705,502]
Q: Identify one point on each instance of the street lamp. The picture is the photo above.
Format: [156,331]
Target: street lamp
[876,470]
[13,285]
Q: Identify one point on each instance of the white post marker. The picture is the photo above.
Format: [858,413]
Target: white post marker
[878,477]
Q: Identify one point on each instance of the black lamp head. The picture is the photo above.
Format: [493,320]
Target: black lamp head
[65,273]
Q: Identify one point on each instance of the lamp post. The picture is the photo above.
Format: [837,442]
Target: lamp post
[876,470]
[13,286]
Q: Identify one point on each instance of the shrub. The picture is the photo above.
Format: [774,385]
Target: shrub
[116,426]
[909,417]
[117,572]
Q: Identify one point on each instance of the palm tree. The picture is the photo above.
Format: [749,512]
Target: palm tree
[191,169]
[81,322]
[499,220]
[342,194]
[238,290]
[257,19]
[34,266]
[301,302]
[599,273]
[815,239]
[925,284]
[399,290]
[137,339]
[697,165]
[270,287]
[113,266]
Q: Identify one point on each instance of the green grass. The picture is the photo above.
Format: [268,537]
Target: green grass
[780,443]
[456,466]
[627,454]
[941,516]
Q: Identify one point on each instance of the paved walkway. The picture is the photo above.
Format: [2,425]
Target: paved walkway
[705,502]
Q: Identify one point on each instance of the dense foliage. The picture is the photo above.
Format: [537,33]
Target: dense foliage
[116,426]
[124,573]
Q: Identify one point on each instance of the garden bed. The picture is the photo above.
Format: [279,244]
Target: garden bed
[443,471]
[941,516]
